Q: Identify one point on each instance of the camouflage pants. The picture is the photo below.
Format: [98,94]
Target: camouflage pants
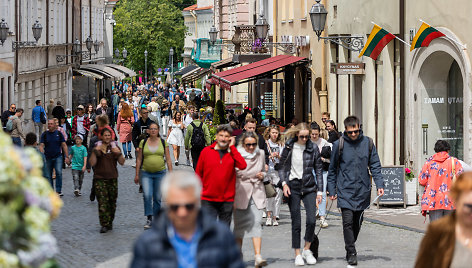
[106,191]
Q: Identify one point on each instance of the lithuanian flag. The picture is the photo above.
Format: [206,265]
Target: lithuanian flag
[378,39]
[424,36]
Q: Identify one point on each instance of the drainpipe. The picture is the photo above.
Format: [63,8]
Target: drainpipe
[402,85]
[324,51]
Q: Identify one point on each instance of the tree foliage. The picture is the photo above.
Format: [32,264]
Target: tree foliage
[152,25]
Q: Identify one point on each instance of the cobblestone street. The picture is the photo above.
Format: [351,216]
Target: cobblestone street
[81,244]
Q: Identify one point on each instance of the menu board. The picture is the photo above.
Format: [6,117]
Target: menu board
[394,182]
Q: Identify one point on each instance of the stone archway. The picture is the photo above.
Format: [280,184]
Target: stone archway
[439,99]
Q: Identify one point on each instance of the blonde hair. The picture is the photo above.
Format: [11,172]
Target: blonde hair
[292,132]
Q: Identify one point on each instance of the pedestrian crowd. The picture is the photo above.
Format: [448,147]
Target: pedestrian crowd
[243,172]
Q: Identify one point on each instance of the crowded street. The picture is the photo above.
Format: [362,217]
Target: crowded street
[81,245]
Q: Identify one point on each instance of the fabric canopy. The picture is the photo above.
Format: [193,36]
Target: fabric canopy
[244,73]
[123,69]
[89,74]
[103,70]
[195,74]
[187,69]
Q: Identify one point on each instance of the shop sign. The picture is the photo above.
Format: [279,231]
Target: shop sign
[348,68]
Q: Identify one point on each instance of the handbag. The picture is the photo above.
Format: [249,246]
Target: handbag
[42,117]
[270,190]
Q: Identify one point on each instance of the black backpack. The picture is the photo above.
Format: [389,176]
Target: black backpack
[198,137]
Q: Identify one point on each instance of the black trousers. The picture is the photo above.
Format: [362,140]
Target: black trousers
[309,200]
[223,211]
[195,155]
[352,221]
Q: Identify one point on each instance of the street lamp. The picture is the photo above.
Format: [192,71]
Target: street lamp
[145,66]
[89,43]
[96,46]
[318,14]
[37,29]
[3,31]
[262,27]
[76,48]
[213,34]
[171,55]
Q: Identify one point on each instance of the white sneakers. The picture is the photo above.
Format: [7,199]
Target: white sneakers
[308,256]
[269,221]
[299,261]
[323,222]
[259,261]
[275,223]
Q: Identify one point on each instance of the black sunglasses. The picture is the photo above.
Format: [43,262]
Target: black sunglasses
[352,132]
[175,207]
[250,144]
[304,137]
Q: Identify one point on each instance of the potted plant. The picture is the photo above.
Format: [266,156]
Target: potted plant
[410,187]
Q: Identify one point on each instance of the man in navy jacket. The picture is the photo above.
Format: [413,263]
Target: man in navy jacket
[349,180]
[184,235]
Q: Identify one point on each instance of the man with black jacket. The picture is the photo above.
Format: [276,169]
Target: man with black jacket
[349,181]
[6,114]
[104,109]
[140,127]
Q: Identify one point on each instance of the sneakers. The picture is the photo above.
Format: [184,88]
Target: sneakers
[134,165]
[176,163]
[269,222]
[188,162]
[76,192]
[103,229]
[275,222]
[352,259]
[60,193]
[308,256]
[148,224]
[299,261]
[264,215]
[80,194]
[259,261]
[323,223]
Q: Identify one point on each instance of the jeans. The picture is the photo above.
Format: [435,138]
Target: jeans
[78,177]
[55,163]
[151,183]
[38,129]
[16,141]
[352,221]
[322,207]
[126,147]
[437,214]
[219,210]
[309,200]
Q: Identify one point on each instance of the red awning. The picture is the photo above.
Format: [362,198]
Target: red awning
[241,74]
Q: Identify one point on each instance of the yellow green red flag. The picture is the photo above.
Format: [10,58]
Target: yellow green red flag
[377,40]
[424,36]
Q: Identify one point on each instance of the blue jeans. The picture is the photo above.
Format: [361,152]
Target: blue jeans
[126,147]
[322,208]
[151,183]
[16,141]
[55,163]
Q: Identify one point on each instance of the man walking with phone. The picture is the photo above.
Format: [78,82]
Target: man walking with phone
[352,157]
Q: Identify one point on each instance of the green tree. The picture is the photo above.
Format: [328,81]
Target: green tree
[219,113]
[152,25]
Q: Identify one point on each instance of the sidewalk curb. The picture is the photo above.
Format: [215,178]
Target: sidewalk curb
[385,223]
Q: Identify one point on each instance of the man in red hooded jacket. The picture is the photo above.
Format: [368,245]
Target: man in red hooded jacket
[216,168]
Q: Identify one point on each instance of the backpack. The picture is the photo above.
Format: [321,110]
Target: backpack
[341,147]
[198,137]
[9,125]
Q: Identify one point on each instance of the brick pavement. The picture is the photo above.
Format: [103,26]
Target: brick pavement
[81,244]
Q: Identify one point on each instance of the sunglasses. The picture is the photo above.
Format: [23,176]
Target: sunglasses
[304,137]
[175,207]
[353,132]
[250,144]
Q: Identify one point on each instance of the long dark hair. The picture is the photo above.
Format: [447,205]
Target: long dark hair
[332,123]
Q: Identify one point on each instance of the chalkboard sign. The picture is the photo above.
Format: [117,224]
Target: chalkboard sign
[394,182]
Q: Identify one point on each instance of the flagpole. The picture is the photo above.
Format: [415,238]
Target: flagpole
[455,41]
[396,37]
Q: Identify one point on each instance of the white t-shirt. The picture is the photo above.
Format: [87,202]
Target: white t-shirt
[296,171]
[274,148]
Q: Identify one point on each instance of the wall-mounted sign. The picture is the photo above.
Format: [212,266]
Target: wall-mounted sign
[348,68]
